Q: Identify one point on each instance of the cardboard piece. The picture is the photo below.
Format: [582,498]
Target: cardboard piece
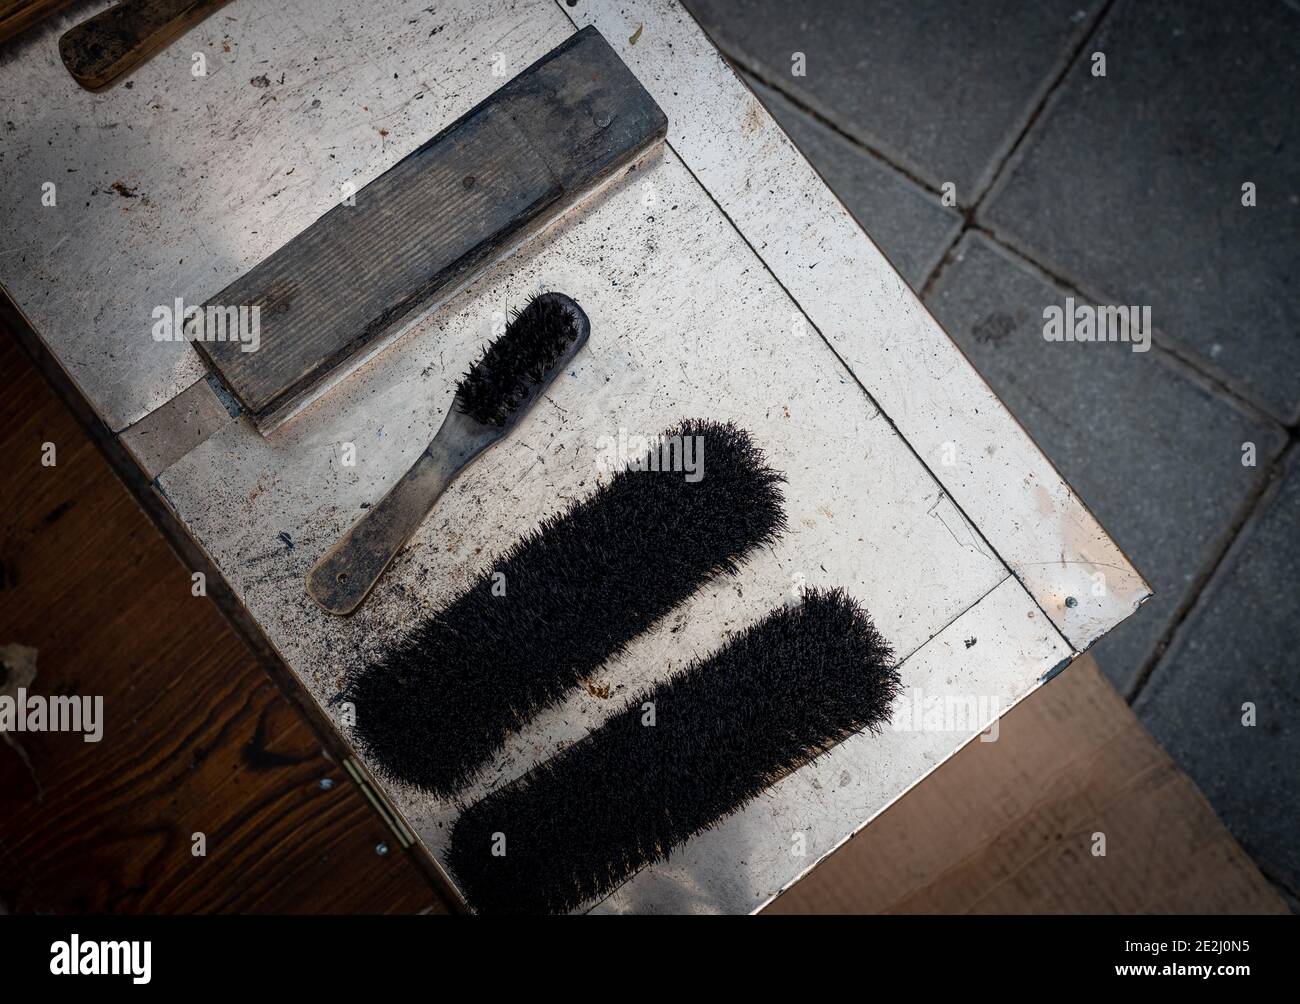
[1010,826]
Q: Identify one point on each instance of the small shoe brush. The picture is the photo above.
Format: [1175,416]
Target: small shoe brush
[490,400]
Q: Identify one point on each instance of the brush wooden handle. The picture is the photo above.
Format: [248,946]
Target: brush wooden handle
[19,15]
[348,571]
[121,38]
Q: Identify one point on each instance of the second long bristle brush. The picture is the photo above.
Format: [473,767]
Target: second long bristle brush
[490,400]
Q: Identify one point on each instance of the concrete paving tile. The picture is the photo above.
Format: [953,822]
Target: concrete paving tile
[908,223]
[940,89]
[1150,449]
[1130,186]
[1241,644]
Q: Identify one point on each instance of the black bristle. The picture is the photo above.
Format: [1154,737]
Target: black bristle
[578,589]
[513,364]
[726,728]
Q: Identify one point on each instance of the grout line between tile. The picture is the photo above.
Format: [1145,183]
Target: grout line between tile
[969,213]
[1162,343]
[1249,513]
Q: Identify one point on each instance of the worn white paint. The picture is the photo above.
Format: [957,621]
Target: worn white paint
[688,319]
[988,658]
[224,172]
[865,309]
[684,322]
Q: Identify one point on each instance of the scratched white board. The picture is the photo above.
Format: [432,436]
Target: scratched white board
[221,171]
[865,309]
[991,654]
[699,330]
[700,306]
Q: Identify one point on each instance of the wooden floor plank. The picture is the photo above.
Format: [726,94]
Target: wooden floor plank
[196,740]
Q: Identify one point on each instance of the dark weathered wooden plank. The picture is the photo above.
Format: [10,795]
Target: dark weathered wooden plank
[19,15]
[362,268]
[419,231]
[196,736]
[117,40]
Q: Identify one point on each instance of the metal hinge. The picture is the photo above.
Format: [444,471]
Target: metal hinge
[385,810]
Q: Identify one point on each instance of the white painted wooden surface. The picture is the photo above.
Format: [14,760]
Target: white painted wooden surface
[771,842]
[688,317]
[866,311]
[224,172]
[703,331]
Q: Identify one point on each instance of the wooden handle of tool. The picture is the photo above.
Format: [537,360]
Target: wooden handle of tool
[121,38]
[19,15]
[349,569]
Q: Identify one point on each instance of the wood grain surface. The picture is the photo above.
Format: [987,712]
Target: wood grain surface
[196,739]
[19,15]
[117,40]
[423,228]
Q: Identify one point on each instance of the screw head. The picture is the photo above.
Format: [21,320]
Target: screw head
[326,783]
[602,120]
[381,849]
[1071,602]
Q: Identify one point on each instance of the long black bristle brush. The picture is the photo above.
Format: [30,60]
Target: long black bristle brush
[677,760]
[490,400]
[559,604]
